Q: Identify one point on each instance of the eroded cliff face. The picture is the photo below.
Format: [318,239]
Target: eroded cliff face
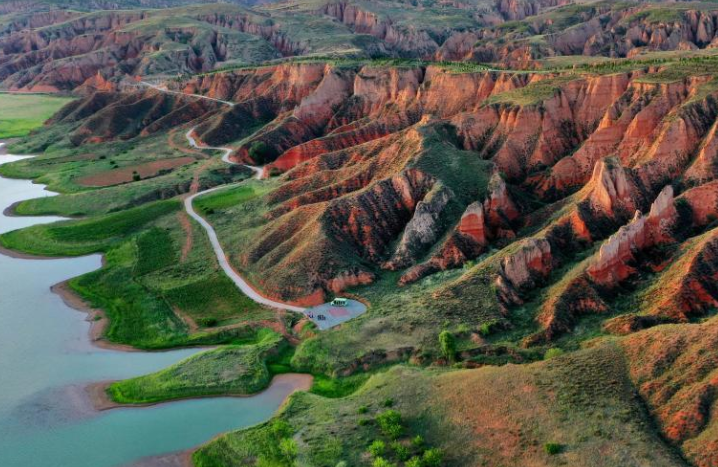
[425,169]
[104,116]
[593,30]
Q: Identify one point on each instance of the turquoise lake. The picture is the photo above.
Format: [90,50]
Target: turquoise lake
[46,360]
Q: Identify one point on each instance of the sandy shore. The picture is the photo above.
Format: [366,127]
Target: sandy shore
[97,392]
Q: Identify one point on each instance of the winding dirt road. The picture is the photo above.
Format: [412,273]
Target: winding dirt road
[222,259]
[216,246]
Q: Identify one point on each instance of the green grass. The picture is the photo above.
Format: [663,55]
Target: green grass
[227,370]
[532,94]
[80,237]
[337,387]
[23,113]
[156,250]
[211,296]
[228,197]
[142,281]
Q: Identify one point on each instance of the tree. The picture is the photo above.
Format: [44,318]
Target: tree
[447,342]
[401,451]
[281,429]
[259,151]
[433,457]
[552,448]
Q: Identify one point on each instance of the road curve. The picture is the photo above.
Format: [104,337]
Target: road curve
[216,246]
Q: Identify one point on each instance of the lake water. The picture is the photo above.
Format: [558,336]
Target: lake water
[46,360]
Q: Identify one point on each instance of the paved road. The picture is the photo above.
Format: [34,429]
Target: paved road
[216,246]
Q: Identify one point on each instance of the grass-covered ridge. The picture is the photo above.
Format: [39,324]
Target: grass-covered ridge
[81,237]
[228,370]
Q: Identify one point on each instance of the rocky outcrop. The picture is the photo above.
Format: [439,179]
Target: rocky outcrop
[611,189]
[591,30]
[480,224]
[612,263]
[423,230]
[523,270]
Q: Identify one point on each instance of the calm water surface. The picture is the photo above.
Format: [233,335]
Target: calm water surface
[46,359]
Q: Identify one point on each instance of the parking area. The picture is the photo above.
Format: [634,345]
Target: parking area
[334,315]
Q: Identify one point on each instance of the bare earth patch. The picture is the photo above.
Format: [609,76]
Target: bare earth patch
[125,174]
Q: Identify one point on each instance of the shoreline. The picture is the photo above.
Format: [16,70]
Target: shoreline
[101,402]
[10,210]
[96,317]
[20,255]
[174,459]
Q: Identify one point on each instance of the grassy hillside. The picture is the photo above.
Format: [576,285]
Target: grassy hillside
[575,410]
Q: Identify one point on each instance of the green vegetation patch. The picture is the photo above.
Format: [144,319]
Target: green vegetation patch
[227,370]
[22,113]
[532,94]
[229,197]
[80,237]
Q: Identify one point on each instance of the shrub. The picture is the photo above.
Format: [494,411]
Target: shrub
[552,448]
[447,342]
[288,448]
[432,457]
[417,441]
[414,462]
[364,421]
[381,462]
[363,409]
[390,423]
[401,451]
[388,402]
[282,429]
[553,352]
[377,448]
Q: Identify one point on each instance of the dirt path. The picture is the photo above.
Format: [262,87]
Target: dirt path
[222,258]
[189,238]
[198,96]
